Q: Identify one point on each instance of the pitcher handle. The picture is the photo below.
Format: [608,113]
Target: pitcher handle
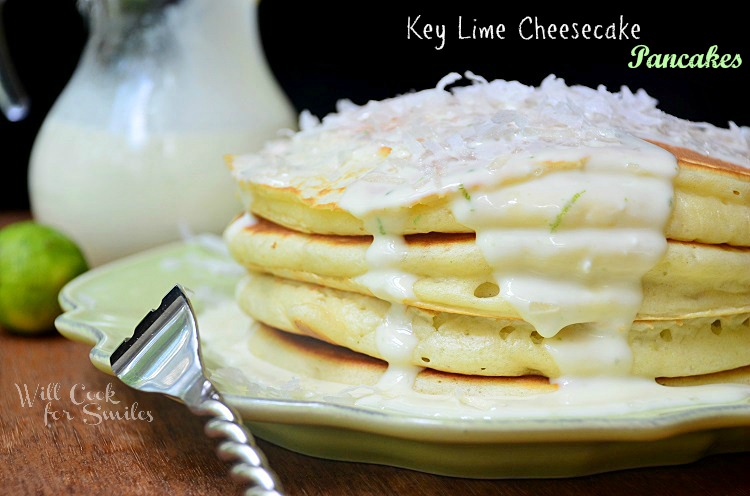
[14,102]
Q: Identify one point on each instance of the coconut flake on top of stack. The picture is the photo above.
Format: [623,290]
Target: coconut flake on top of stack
[426,142]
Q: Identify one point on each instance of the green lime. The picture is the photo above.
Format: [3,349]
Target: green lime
[36,261]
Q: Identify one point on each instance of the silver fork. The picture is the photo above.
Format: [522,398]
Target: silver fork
[163,356]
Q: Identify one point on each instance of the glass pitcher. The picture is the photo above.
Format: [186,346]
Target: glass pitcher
[131,155]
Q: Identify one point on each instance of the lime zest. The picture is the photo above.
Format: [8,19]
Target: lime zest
[553,226]
[381,229]
[463,190]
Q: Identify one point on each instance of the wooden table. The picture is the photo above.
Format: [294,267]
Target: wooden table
[57,445]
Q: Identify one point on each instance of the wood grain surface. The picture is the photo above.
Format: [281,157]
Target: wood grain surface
[64,444]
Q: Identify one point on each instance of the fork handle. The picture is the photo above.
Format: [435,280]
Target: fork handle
[238,446]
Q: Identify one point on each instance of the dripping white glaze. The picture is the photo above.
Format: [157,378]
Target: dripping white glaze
[395,341]
[394,336]
[226,338]
[384,277]
[566,246]
[568,201]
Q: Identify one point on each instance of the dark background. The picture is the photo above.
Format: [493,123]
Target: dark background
[323,51]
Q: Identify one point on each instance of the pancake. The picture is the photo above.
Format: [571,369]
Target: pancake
[691,280]
[308,183]
[499,230]
[471,345]
[312,358]
[711,205]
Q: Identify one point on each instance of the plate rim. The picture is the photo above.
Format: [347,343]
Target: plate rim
[641,427]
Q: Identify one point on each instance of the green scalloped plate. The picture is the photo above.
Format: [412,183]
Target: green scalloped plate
[103,306]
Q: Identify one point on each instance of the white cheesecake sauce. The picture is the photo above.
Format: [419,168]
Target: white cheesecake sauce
[226,339]
[395,341]
[569,219]
[568,202]
[384,277]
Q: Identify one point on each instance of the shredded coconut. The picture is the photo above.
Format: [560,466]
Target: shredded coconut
[482,124]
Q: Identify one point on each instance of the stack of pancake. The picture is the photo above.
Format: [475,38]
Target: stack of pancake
[499,230]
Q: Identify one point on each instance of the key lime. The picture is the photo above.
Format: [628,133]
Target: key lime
[36,261]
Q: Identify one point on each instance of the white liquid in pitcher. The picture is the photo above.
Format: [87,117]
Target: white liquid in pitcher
[116,199]
[132,154]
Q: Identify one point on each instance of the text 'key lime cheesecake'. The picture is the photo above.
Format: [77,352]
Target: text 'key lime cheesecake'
[494,229]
